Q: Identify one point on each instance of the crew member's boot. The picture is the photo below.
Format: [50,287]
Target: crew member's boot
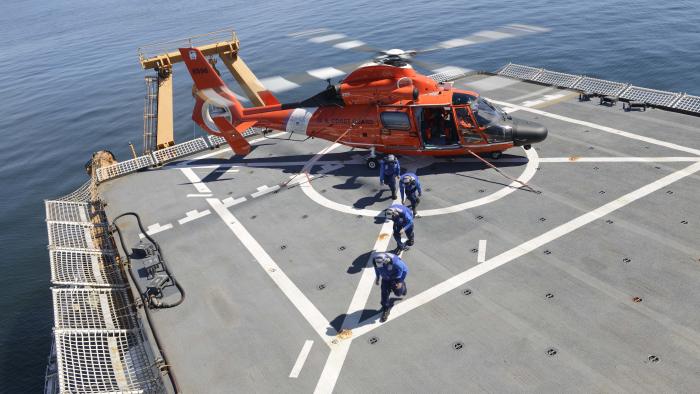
[385,315]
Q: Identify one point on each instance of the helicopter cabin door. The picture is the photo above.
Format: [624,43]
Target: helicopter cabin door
[396,129]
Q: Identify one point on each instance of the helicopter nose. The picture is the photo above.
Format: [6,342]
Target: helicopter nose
[526,132]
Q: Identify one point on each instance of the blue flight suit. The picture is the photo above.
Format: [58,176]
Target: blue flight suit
[412,191]
[404,220]
[387,174]
[391,277]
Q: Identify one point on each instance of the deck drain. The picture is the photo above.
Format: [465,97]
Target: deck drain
[466,292]
[538,168]
[304,216]
[251,171]
[596,168]
[457,346]
[475,250]
[373,340]
[547,252]
[551,351]
[637,299]
[684,222]
[549,295]
[481,190]
[538,191]
[609,221]
[321,286]
[543,219]
[669,192]
[283,247]
[341,248]
[428,190]
[323,190]
[590,148]
[626,260]
[601,192]
[586,131]
[479,217]
[254,216]
[657,167]
[653,358]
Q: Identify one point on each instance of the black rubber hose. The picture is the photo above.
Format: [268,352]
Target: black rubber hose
[171,373]
[165,266]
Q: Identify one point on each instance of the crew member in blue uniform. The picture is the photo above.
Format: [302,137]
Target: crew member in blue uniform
[410,188]
[403,224]
[389,170]
[392,271]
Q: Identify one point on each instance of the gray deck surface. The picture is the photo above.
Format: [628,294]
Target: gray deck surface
[238,331]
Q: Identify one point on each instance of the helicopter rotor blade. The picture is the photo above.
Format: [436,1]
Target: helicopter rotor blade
[480,37]
[335,39]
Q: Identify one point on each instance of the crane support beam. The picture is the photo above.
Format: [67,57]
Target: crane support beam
[245,78]
[170,58]
[164,134]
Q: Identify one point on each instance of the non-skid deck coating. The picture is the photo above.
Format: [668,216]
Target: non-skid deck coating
[551,308]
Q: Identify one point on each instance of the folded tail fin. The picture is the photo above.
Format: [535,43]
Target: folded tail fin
[216,102]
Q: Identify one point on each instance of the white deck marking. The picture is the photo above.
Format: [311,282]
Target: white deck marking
[339,351]
[227,169]
[532,103]
[528,173]
[301,359]
[194,179]
[481,257]
[199,195]
[524,248]
[278,84]
[532,94]
[312,315]
[349,44]
[193,215]
[157,228]
[264,189]
[226,147]
[230,201]
[325,73]
[576,159]
[603,128]
[327,37]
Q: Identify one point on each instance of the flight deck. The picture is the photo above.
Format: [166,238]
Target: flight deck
[584,281]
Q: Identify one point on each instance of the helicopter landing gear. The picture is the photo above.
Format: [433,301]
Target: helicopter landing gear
[372,163]
[496,155]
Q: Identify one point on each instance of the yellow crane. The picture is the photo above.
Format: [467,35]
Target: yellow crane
[162,56]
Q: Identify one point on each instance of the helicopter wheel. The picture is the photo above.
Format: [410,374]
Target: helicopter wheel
[496,155]
[372,163]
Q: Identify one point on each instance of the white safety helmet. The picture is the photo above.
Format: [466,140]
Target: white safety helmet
[391,158]
[382,258]
[406,179]
[392,212]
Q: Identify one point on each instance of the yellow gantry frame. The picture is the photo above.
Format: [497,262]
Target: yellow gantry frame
[226,50]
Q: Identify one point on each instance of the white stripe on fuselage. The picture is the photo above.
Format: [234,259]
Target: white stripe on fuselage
[298,121]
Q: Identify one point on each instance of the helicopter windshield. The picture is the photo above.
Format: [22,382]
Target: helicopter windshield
[486,113]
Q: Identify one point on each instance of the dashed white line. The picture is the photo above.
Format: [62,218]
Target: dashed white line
[192,195]
[301,359]
[156,228]
[194,179]
[481,257]
[227,148]
[230,201]
[264,189]
[193,215]
[524,248]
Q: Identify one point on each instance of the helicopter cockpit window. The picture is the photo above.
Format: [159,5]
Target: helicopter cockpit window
[486,113]
[395,120]
[464,124]
[462,99]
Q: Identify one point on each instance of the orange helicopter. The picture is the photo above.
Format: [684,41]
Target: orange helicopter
[384,106]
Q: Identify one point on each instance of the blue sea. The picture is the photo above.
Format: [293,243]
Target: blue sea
[71,85]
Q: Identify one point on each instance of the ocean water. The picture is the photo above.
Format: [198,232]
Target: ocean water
[71,85]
